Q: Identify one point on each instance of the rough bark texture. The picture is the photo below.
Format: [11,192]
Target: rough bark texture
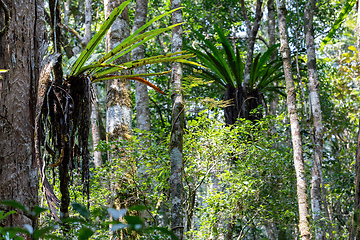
[177,131]
[251,32]
[355,233]
[118,98]
[318,194]
[141,96]
[294,123]
[22,48]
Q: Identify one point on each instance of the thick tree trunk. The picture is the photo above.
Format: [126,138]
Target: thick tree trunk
[22,48]
[177,130]
[317,177]
[355,233]
[294,123]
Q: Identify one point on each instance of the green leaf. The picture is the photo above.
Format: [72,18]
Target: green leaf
[38,210]
[138,208]
[3,216]
[163,230]
[81,209]
[73,220]
[94,42]
[14,204]
[38,233]
[85,233]
[343,14]
[133,221]
[128,76]
[128,43]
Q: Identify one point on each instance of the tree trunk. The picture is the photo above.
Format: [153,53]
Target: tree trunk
[251,32]
[118,98]
[95,116]
[355,231]
[141,97]
[22,48]
[88,15]
[177,130]
[66,11]
[272,41]
[95,123]
[317,177]
[294,123]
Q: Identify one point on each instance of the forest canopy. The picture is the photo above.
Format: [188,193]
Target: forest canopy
[177,119]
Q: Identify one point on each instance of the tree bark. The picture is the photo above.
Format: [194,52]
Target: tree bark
[95,129]
[272,41]
[251,32]
[22,48]
[294,123]
[318,194]
[141,95]
[118,98]
[88,15]
[355,231]
[177,131]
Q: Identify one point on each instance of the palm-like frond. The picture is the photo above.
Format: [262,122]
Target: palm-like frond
[94,42]
[104,69]
[225,66]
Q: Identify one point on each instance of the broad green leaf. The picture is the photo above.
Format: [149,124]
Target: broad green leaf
[14,204]
[81,209]
[85,233]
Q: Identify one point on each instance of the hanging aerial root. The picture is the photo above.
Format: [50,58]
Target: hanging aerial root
[44,84]
[7,18]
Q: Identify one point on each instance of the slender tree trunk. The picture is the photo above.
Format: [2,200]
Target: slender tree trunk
[22,48]
[95,116]
[251,32]
[66,12]
[272,41]
[355,233]
[88,15]
[294,123]
[177,130]
[95,129]
[141,96]
[318,193]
